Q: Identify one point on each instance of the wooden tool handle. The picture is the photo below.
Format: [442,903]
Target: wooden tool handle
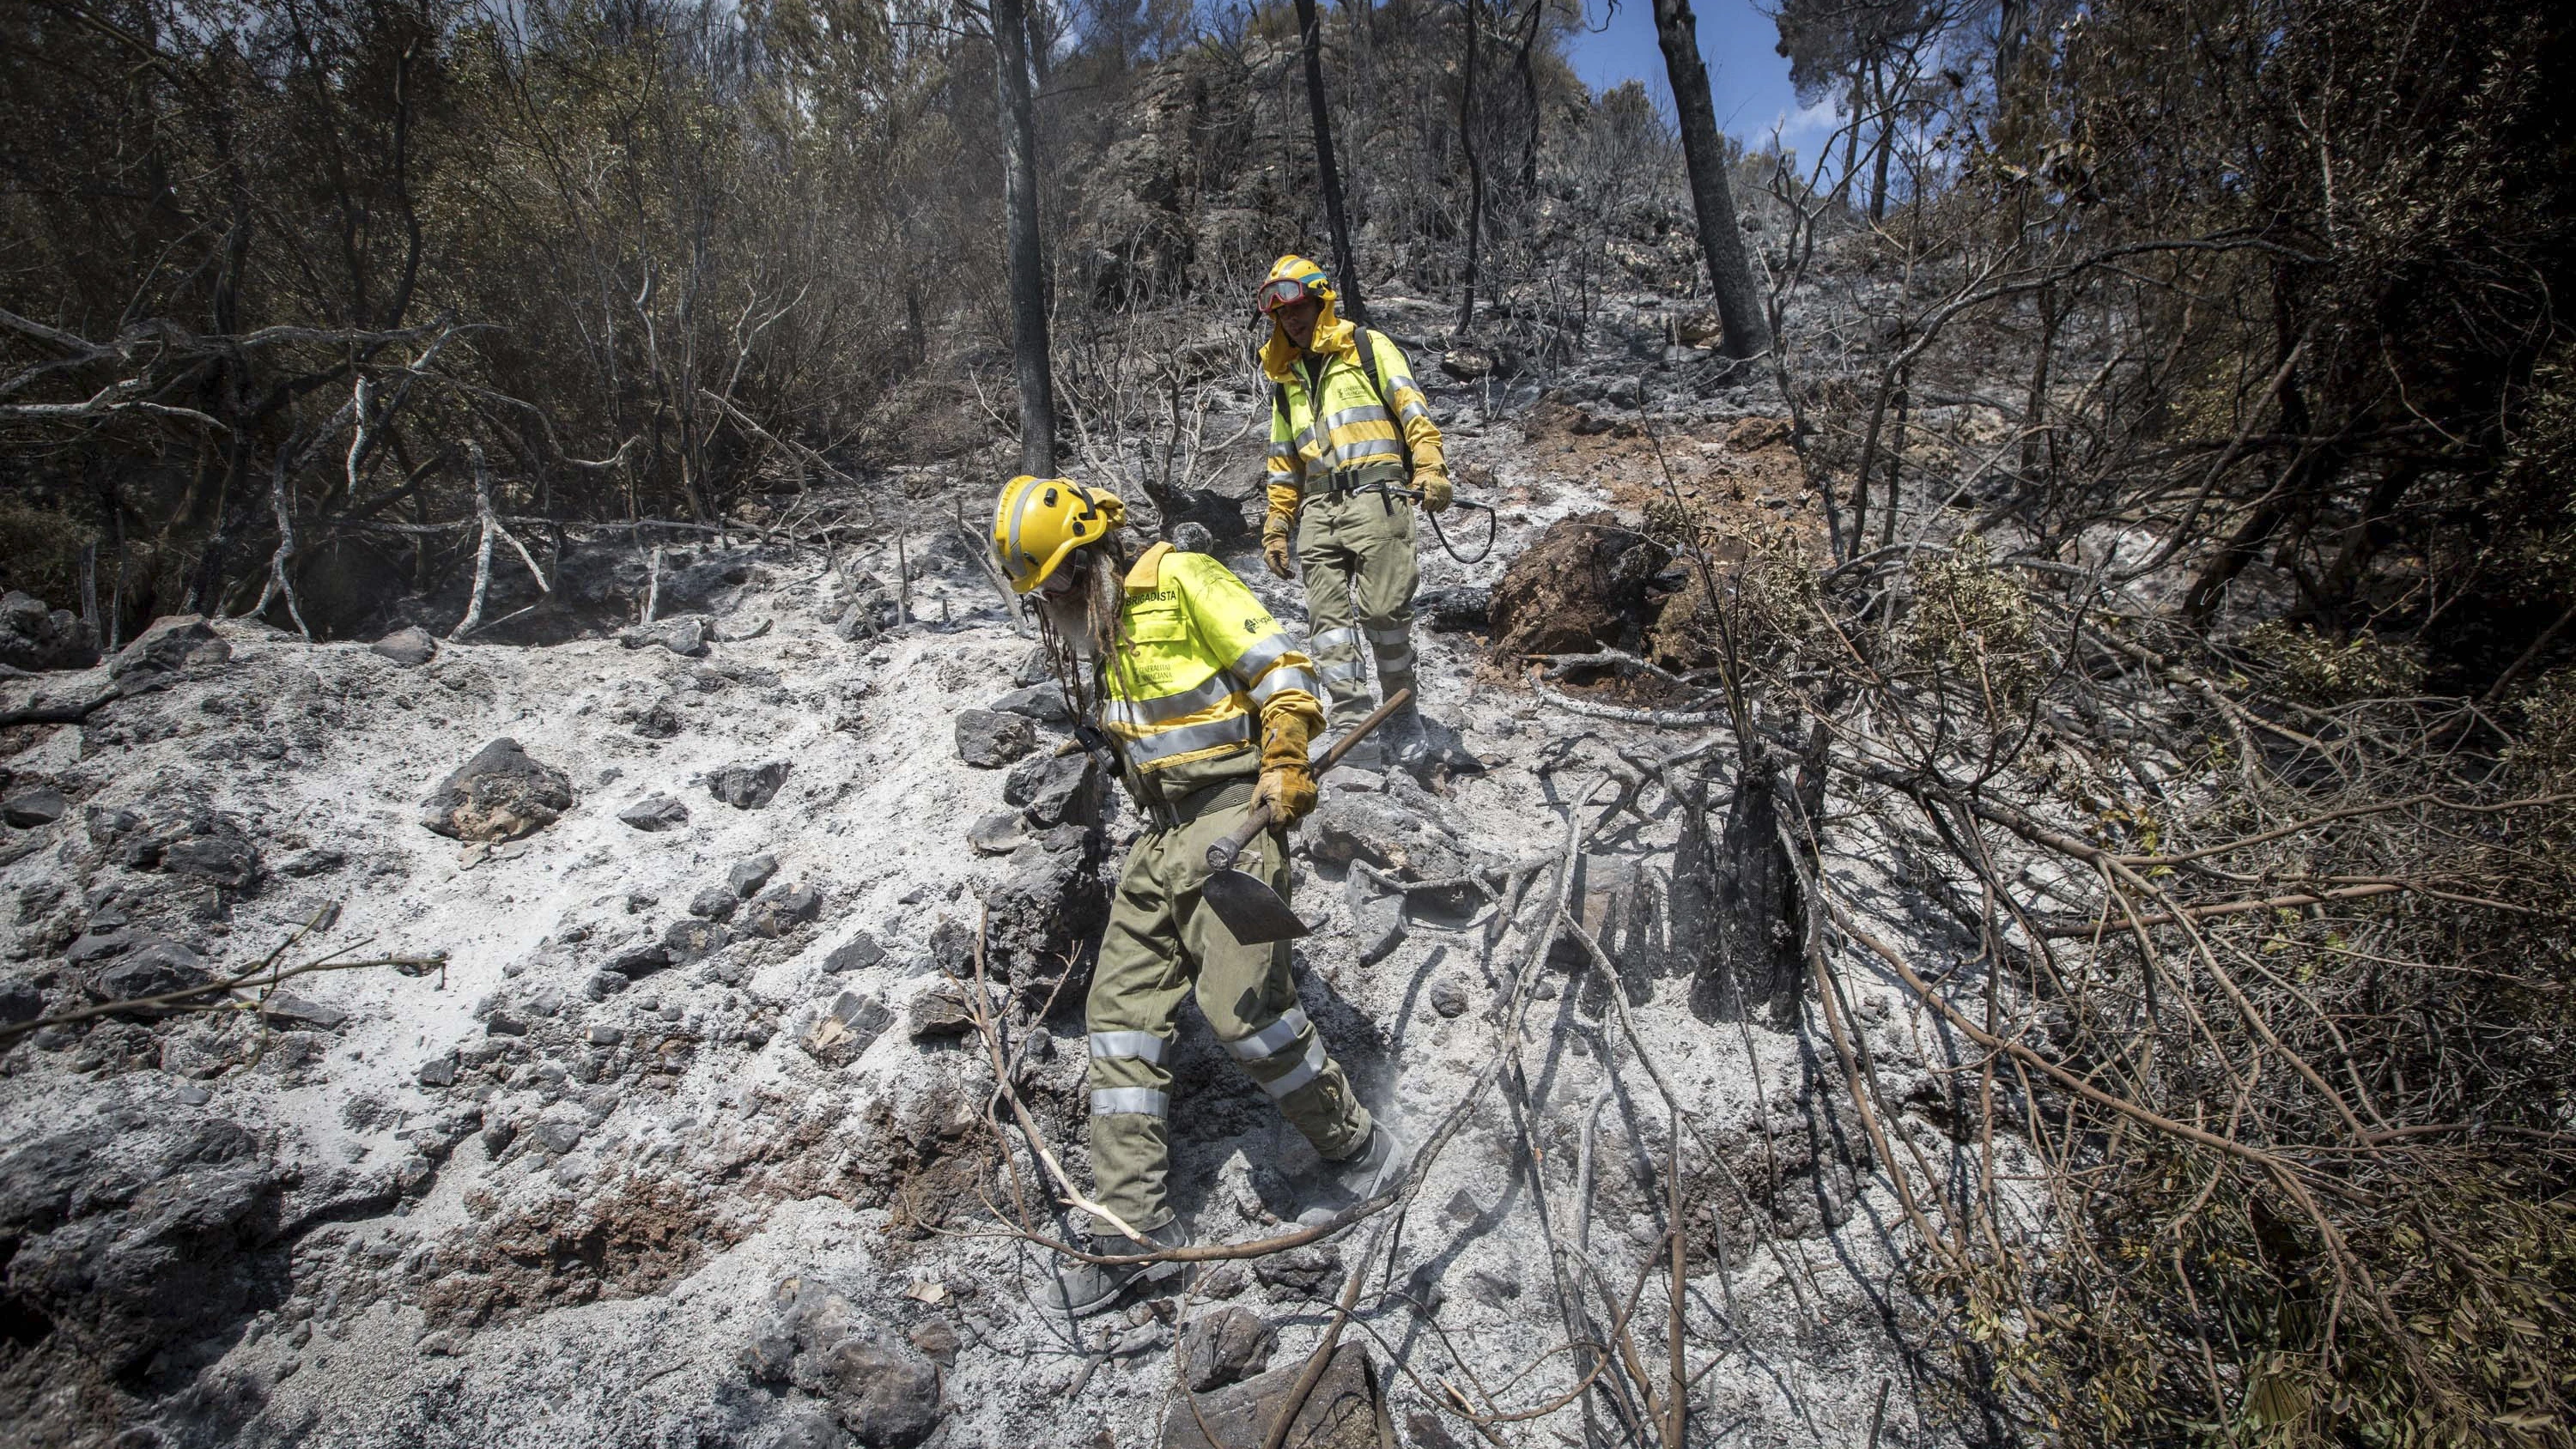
[1221,855]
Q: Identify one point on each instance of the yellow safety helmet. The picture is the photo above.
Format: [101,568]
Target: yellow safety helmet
[1292,278]
[1040,520]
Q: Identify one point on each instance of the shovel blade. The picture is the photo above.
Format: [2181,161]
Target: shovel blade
[1250,909]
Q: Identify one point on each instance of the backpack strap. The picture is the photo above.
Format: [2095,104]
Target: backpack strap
[1368,369]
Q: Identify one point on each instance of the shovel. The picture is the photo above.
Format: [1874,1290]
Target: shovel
[1248,907]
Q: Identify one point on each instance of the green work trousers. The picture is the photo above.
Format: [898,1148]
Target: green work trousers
[1355,552]
[1163,944]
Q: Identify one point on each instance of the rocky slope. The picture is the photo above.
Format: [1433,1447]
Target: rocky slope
[683,1139]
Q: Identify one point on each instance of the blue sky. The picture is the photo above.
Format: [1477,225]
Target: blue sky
[1747,75]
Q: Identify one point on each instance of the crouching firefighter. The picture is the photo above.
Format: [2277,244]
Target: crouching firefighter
[1352,445]
[1173,666]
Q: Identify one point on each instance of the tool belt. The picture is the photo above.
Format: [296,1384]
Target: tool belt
[1365,478]
[1173,812]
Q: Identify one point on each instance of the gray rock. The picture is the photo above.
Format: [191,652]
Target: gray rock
[604,1035]
[500,794]
[858,953]
[937,1338]
[989,740]
[639,959]
[502,1023]
[748,787]
[1056,790]
[557,1135]
[293,1010]
[33,637]
[655,813]
[166,649]
[999,833]
[685,635]
[1041,702]
[20,1001]
[1449,996]
[1225,1347]
[224,858]
[1034,668]
[748,876]
[95,945]
[409,648]
[692,940]
[715,903]
[138,1230]
[320,861]
[1342,1411]
[1309,1269]
[153,966]
[846,1029]
[1385,833]
[30,808]
[936,1013]
[438,1071]
[781,909]
[177,834]
[883,1391]
[1468,362]
[1378,924]
[1053,898]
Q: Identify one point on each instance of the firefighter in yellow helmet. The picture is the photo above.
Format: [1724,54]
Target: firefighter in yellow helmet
[1348,430]
[1209,708]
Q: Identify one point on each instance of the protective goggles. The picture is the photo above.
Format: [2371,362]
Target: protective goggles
[1279,292]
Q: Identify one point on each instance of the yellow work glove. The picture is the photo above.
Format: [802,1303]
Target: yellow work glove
[1435,489]
[1287,779]
[1274,546]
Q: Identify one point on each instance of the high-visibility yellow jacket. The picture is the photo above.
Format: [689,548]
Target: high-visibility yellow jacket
[1336,424]
[1200,663]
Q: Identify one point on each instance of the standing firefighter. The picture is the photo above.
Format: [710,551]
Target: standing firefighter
[1349,436]
[1209,709]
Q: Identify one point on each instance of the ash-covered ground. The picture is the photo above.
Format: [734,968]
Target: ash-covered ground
[687,1142]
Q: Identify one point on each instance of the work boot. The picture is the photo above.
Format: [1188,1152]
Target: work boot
[1377,1166]
[1366,755]
[1407,743]
[1082,1289]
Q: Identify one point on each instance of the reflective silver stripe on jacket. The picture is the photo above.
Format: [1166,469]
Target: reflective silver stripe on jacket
[1139,713]
[1144,1046]
[1260,654]
[1366,448]
[1367,413]
[1305,1071]
[1234,729]
[1270,1040]
[1142,1101]
[1285,677]
[1409,410]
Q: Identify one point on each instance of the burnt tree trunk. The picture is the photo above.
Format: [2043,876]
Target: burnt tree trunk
[1721,237]
[1475,173]
[1029,345]
[1737,909]
[1346,273]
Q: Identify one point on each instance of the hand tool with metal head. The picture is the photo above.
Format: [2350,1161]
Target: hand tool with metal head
[1249,907]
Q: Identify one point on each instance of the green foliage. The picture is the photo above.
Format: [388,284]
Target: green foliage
[40,552]
[2317,669]
[1975,620]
